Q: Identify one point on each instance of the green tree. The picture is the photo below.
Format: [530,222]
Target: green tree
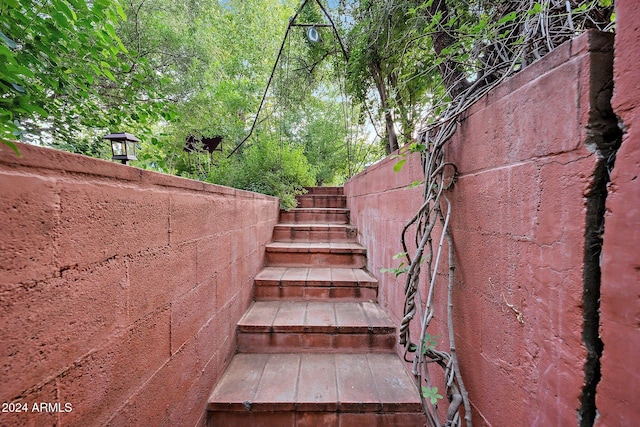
[211,62]
[385,55]
[418,56]
[66,74]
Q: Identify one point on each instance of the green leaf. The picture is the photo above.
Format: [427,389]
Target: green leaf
[11,145]
[429,342]
[95,69]
[431,393]
[120,11]
[110,30]
[508,18]
[537,8]
[64,8]
[8,41]
[581,8]
[36,109]
[398,166]
[121,45]
[109,74]
[416,148]
[62,20]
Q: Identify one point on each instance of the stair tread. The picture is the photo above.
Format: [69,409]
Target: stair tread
[319,276]
[330,210]
[361,382]
[327,247]
[315,317]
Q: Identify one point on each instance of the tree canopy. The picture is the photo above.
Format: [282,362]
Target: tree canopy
[53,54]
[172,70]
[409,59]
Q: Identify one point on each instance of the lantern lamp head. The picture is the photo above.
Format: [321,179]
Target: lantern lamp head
[313,35]
[123,146]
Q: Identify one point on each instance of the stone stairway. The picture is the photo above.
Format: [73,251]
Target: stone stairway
[315,349]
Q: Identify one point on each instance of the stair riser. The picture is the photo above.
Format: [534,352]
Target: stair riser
[318,201]
[325,190]
[292,234]
[313,418]
[314,293]
[308,217]
[321,259]
[296,342]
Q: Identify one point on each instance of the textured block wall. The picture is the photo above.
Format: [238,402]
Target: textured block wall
[120,288]
[618,394]
[527,158]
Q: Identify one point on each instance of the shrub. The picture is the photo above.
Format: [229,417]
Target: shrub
[267,167]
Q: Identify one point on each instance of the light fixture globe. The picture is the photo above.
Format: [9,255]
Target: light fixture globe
[313,35]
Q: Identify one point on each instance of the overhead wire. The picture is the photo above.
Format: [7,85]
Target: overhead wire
[278,89]
[273,70]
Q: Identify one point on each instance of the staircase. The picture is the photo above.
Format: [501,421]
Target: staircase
[315,349]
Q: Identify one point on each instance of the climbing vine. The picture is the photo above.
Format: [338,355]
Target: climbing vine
[475,45]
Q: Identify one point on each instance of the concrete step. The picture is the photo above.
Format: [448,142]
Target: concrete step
[287,390]
[325,190]
[315,216]
[314,233]
[319,327]
[321,201]
[313,284]
[316,254]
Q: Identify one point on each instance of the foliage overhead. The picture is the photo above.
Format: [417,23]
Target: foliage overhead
[165,70]
[69,76]
[417,56]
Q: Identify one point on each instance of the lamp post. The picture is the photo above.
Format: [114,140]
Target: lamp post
[123,146]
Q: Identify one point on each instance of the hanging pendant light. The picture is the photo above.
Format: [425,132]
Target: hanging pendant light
[313,35]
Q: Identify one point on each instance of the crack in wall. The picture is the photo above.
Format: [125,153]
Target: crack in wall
[591,295]
[604,136]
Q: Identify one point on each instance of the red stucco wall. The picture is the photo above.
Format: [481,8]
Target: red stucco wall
[518,221]
[120,288]
[618,396]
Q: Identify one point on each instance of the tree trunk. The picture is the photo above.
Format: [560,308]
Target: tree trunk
[392,137]
[452,77]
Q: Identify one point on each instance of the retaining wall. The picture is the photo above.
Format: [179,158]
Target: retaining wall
[528,164]
[120,288]
[618,394]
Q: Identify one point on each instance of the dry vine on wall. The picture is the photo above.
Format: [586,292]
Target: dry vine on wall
[523,32]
